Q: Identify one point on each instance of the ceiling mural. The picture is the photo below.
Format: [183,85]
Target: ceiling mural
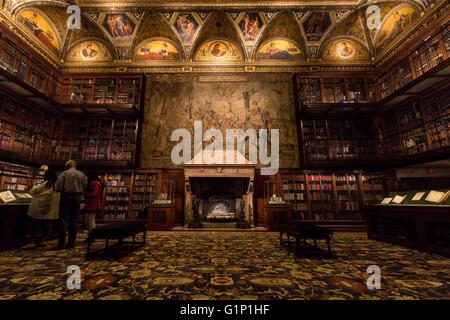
[41,26]
[394,23]
[156,50]
[218,50]
[132,32]
[250,26]
[118,25]
[186,26]
[89,51]
[345,49]
[279,49]
[316,24]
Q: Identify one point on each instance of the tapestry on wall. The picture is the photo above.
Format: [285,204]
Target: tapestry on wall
[260,101]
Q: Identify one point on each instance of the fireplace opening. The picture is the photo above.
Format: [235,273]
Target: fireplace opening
[219,199]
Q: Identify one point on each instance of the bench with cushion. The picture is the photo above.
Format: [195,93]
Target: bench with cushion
[302,233]
[117,231]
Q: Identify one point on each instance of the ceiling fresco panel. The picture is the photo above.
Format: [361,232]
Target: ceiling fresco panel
[156,49]
[37,22]
[316,25]
[279,49]
[89,51]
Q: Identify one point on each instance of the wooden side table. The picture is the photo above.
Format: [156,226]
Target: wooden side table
[277,214]
[160,217]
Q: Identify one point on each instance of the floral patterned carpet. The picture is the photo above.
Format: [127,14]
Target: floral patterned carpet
[226,265]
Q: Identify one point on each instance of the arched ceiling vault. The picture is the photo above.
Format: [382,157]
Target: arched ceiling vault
[312,26]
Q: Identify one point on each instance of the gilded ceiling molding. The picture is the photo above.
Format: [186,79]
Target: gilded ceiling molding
[215,4]
[211,67]
[221,69]
[22,4]
[418,4]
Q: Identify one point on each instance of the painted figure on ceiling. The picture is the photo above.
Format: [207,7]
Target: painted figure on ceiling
[344,49]
[186,26]
[276,53]
[250,27]
[31,22]
[217,50]
[118,25]
[89,52]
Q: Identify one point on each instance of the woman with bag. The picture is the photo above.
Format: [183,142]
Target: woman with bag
[44,207]
[93,199]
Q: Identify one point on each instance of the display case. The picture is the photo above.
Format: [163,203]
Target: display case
[417,219]
[278,207]
[164,192]
[161,212]
[276,192]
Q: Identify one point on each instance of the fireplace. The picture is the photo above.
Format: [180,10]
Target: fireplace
[219,199]
[219,192]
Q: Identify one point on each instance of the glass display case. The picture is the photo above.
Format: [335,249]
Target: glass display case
[164,192]
[276,192]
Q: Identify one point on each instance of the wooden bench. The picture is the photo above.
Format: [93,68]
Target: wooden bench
[117,231]
[304,232]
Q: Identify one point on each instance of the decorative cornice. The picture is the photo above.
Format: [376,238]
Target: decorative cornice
[208,68]
[214,4]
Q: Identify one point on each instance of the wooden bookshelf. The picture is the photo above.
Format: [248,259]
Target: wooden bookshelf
[24,65]
[327,140]
[326,89]
[24,131]
[430,53]
[418,126]
[322,195]
[117,195]
[97,140]
[100,90]
[143,191]
[16,177]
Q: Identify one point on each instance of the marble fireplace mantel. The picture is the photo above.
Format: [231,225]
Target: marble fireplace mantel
[245,169]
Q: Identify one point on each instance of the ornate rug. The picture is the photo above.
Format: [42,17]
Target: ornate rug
[226,265]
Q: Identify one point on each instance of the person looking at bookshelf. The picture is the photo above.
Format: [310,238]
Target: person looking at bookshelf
[72,184]
[44,207]
[93,204]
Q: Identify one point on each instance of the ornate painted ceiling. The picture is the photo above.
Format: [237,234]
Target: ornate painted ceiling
[149,33]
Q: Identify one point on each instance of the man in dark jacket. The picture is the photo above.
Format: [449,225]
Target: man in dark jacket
[72,184]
